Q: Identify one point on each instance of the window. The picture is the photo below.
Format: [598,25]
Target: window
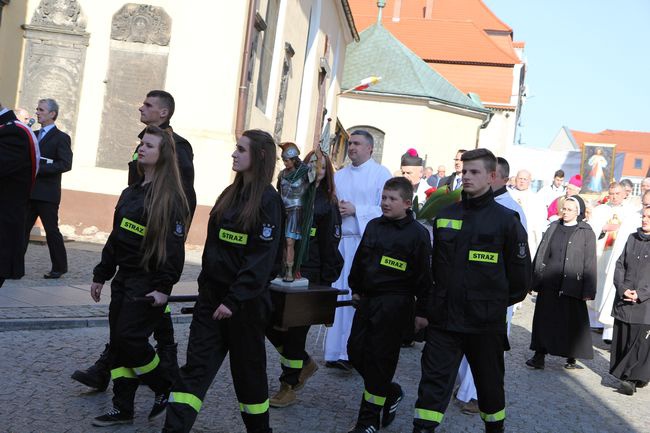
[266,60]
[638,163]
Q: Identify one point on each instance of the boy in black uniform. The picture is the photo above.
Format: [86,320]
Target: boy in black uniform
[390,267]
[481,265]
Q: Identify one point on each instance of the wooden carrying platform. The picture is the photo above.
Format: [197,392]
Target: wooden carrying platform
[312,305]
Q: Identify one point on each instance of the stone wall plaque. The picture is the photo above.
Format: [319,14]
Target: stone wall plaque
[55,54]
[137,63]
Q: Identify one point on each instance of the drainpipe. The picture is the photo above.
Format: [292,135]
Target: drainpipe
[242,100]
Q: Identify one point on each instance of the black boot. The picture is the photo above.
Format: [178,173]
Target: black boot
[168,355]
[97,375]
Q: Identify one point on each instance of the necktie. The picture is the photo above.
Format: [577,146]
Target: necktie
[41,133]
[457,183]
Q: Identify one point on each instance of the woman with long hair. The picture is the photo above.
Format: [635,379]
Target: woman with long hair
[564,274]
[240,258]
[146,247]
[322,267]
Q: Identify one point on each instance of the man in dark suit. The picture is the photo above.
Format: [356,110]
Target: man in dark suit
[455,180]
[18,166]
[56,158]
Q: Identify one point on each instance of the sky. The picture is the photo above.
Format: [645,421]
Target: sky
[588,64]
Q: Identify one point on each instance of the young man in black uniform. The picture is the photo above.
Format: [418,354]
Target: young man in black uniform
[390,267]
[481,264]
[157,109]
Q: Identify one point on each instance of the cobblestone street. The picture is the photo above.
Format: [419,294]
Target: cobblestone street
[37,394]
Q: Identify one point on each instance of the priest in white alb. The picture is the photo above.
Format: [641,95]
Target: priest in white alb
[358,188]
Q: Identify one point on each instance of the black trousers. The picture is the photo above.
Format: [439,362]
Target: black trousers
[441,358]
[373,347]
[49,213]
[131,325]
[242,335]
[290,344]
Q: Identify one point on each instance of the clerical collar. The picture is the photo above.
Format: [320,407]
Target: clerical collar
[360,166]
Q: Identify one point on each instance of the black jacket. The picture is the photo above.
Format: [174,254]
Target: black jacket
[394,257]
[123,248]
[580,275]
[325,262]
[481,264]
[633,272]
[17,171]
[238,266]
[185,159]
[448,180]
[56,147]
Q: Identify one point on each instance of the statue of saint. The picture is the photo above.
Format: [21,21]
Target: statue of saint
[296,186]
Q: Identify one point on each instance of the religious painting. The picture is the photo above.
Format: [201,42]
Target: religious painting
[597,167]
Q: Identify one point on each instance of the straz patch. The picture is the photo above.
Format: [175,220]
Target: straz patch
[267,232]
[521,253]
[233,237]
[483,256]
[179,229]
[337,231]
[392,263]
[133,227]
[312,232]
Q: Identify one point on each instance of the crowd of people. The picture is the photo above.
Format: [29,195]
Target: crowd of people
[449,281]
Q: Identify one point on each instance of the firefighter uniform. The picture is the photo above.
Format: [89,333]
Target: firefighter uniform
[390,267]
[236,270]
[132,322]
[321,268]
[481,265]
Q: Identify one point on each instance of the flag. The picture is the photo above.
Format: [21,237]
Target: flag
[364,84]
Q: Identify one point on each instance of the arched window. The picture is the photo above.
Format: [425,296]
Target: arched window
[377,135]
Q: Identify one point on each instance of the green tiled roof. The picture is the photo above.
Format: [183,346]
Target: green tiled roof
[379,53]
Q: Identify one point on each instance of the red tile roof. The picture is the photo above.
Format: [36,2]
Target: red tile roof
[461,39]
[626,141]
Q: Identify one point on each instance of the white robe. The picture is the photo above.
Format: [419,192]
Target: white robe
[467,389]
[362,186]
[536,214]
[628,226]
[601,215]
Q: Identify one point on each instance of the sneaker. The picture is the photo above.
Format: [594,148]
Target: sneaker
[286,396]
[112,417]
[627,387]
[470,408]
[94,377]
[390,408]
[362,429]
[159,406]
[341,364]
[571,364]
[307,371]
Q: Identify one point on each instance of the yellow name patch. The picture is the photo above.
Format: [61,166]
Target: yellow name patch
[393,263]
[133,227]
[483,256]
[233,237]
[449,224]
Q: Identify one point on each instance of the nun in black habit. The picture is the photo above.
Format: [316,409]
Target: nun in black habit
[564,274]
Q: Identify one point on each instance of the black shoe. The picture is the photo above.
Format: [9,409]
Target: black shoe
[341,364]
[641,383]
[362,429]
[159,406]
[96,376]
[627,387]
[607,341]
[571,364]
[112,417]
[53,275]
[536,362]
[390,407]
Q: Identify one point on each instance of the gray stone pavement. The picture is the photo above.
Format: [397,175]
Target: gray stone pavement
[37,394]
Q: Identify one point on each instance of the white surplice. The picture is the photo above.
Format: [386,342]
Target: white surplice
[362,186]
[600,216]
